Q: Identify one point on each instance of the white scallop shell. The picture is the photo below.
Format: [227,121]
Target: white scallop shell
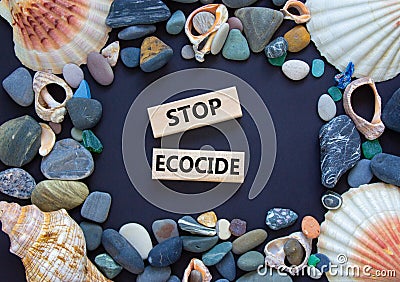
[366,32]
[364,232]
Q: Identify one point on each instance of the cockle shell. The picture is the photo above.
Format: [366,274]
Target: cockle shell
[196,264]
[47,140]
[51,245]
[303,16]
[49,34]
[275,254]
[46,107]
[366,33]
[371,130]
[364,232]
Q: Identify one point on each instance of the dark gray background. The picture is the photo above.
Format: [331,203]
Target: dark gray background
[295,181]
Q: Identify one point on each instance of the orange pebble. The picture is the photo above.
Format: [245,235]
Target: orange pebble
[310,227]
[298,38]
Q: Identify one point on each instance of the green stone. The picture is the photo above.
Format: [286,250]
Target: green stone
[313,260]
[107,265]
[335,93]
[371,148]
[236,47]
[91,142]
[318,68]
[278,62]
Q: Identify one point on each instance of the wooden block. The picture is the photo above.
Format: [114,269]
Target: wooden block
[195,112]
[198,165]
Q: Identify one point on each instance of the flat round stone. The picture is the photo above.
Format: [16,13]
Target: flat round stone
[326,107]
[100,69]
[335,93]
[250,261]
[16,182]
[92,232]
[249,241]
[19,86]
[310,227]
[295,69]
[130,57]
[164,229]
[386,167]
[187,52]
[96,206]
[84,113]
[107,265]
[360,174]
[223,229]
[208,219]
[76,134]
[73,75]
[139,238]
[331,200]
[136,32]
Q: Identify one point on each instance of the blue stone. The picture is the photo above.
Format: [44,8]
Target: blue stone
[166,253]
[130,57]
[276,48]
[222,280]
[278,218]
[227,267]
[96,206]
[217,253]
[174,278]
[386,167]
[107,265]
[176,23]
[279,3]
[83,90]
[318,68]
[197,244]
[391,112]
[136,31]
[19,86]
[122,252]
[324,263]
[84,113]
[360,174]
[155,274]
[343,79]
[92,233]
[236,47]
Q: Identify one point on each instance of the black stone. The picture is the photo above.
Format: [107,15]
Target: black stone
[386,167]
[391,112]
[84,113]
[340,149]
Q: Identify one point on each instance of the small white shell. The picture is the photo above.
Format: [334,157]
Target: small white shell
[47,140]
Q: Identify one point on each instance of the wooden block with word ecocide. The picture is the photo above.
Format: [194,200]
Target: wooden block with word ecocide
[195,112]
[198,165]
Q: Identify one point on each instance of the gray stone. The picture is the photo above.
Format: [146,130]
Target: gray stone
[259,25]
[249,241]
[227,267]
[189,224]
[391,112]
[19,141]
[136,32]
[220,39]
[130,57]
[166,253]
[154,274]
[107,265]
[250,261]
[386,167]
[277,48]
[217,253]
[176,23]
[326,107]
[92,232]
[73,75]
[235,4]
[84,113]
[340,149]
[19,86]
[187,52]
[294,252]
[206,2]
[76,134]
[360,174]
[195,276]
[197,244]
[100,69]
[96,206]
[279,218]
[68,160]
[279,3]
[236,47]
[174,278]
[16,182]
[164,229]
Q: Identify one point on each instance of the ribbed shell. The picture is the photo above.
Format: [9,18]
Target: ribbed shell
[48,34]
[51,245]
[365,231]
[366,32]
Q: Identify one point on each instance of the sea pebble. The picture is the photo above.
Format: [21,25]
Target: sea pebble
[386,167]
[83,90]
[391,112]
[176,23]
[314,273]
[136,32]
[279,218]
[76,134]
[227,267]
[121,251]
[335,93]
[154,274]
[195,276]
[91,142]
[238,3]
[238,227]
[203,21]
[250,261]
[313,260]
[186,1]
[19,86]
[222,280]
[216,254]
[138,237]
[294,252]
[96,206]
[235,23]
[16,182]
[174,278]
[297,38]
[130,57]
[164,229]
[208,219]
[100,69]
[166,253]
[249,241]
[107,265]
[68,160]
[360,174]
[111,53]
[92,232]
[154,54]
[134,12]
[331,200]
[189,224]
[222,228]
[206,2]
[277,48]
[295,69]
[340,149]
[84,113]
[236,47]
[220,39]
[371,148]
[278,62]
[318,68]
[19,141]
[73,75]
[196,244]
[310,227]
[279,3]
[56,127]
[53,195]
[326,107]
[187,52]
[324,263]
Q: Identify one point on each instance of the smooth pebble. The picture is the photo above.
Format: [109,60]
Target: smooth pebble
[176,23]
[92,232]
[154,274]
[136,32]
[96,206]
[166,253]
[91,142]
[236,47]
[138,237]
[223,231]
[76,134]
[238,227]
[294,252]
[235,23]
[386,167]
[154,54]
[164,229]
[208,219]
[371,148]
[220,39]
[107,265]
[326,107]
[84,113]
[310,227]
[130,57]
[318,68]
[295,69]
[187,52]
[197,244]
[100,69]
[216,254]
[73,75]
[298,38]
[18,86]
[360,174]
[56,127]
[227,267]
[250,261]
[249,241]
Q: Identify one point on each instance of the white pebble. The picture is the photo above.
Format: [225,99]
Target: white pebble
[326,107]
[295,69]
[138,237]
[223,229]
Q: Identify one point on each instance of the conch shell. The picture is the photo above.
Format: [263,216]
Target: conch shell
[196,264]
[49,34]
[51,245]
[275,255]
[46,107]
[304,14]
[221,16]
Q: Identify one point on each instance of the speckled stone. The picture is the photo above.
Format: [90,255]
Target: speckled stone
[16,182]
[100,69]
[238,3]
[236,47]
[136,32]
[107,265]
[318,68]
[166,253]
[279,218]
[217,253]
[176,23]
[249,241]
[227,267]
[130,57]
[220,39]
[154,54]
[164,229]
[298,38]
[154,274]
[19,86]
[360,174]
[187,52]
[310,227]
[331,200]
[19,141]
[84,113]
[197,244]
[96,206]
[83,90]
[73,75]
[371,148]
[238,227]
[235,23]
[250,261]
[92,232]
[277,48]
[386,167]
[295,69]
[76,134]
